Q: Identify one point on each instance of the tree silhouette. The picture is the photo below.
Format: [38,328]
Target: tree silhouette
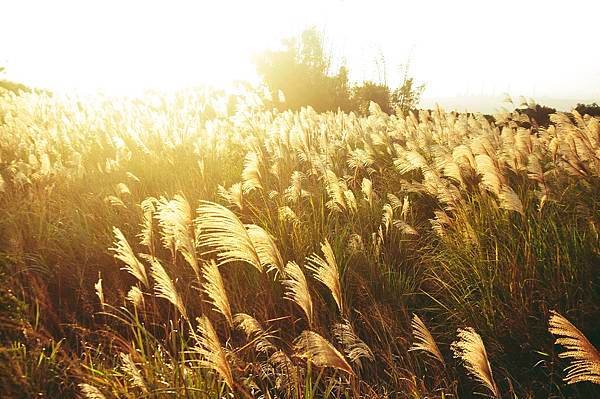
[302,72]
[539,115]
[369,91]
[406,97]
[592,109]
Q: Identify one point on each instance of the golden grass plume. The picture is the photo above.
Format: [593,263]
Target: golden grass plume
[296,289]
[90,392]
[316,349]
[221,230]
[423,340]
[255,332]
[354,347]
[164,286]
[124,253]
[327,272]
[585,358]
[215,289]
[132,372]
[177,228]
[470,349]
[212,355]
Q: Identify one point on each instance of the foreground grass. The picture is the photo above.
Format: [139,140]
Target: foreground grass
[148,252]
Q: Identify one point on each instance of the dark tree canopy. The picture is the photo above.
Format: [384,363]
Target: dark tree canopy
[538,114]
[592,109]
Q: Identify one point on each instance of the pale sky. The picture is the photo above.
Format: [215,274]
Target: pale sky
[530,48]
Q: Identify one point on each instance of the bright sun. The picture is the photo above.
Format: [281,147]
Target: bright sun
[455,48]
[124,47]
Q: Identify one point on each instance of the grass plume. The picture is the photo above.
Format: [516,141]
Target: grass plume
[469,348]
[215,290]
[124,253]
[423,340]
[327,272]
[584,357]
[316,349]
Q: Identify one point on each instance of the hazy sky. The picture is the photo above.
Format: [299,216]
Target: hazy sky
[531,48]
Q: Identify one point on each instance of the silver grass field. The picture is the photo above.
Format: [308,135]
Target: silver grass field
[147,251]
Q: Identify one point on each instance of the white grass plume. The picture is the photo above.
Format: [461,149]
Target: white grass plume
[367,189]
[335,191]
[251,175]
[287,215]
[510,200]
[222,230]
[359,158]
[295,191]
[267,250]
[99,291]
[409,161]
[147,234]
[351,201]
[490,175]
[234,195]
[136,296]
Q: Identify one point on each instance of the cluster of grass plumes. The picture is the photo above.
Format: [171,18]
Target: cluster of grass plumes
[271,254]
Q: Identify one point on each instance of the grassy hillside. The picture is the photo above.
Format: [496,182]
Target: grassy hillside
[148,252]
